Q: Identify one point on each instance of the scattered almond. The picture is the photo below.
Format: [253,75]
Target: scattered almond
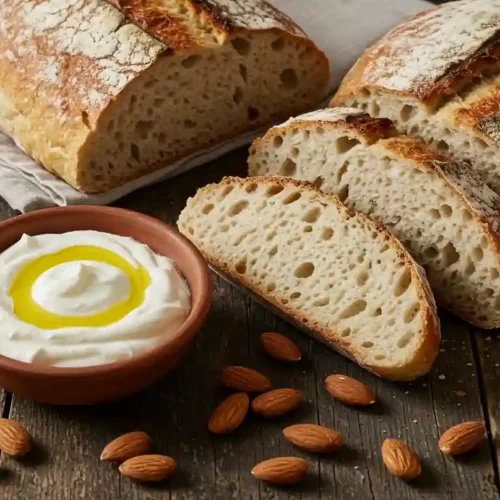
[14,438]
[313,438]
[462,438]
[400,459]
[349,390]
[229,415]
[148,468]
[277,402]
[244,379]
[282,470]
[280,347]
[126,446]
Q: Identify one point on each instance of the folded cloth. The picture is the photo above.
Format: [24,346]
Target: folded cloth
[342,28]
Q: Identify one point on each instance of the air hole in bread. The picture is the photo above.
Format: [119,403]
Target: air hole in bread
[489,292]
[278,141]
[407,112]
[190,230]
[345,144]
[318,182]
[295,295]
[466,215]
[238,96]
[224,228]
[379,357]
[226,190]
[134,151]
[377,312]
[365,93]
[238,207]
[278,44]
[322,302]
[305,270]
[450,254]
[133,101]
[374,109]
[251,188]
[273,251]
[442,146]
[273,190]
[357,307]
[405,340]
[271,236]
[308,229]
[312,215]
[446,210]
[241,45]
[190,61]
[344,193]
[207,209]
[292,198]
[480,143]
[494,273]
[294,152]
[189,124]
[288,168]
[326,234]
[342,170]
[477,254]
[320,130]
[271,287]
[253,113]
[403,283]
[435,214]
[470,268]
[243,73]
[362,278]
[241,266]
[367,344]
[431,253]
[256,249]
[411,313]
[143,128]
[289,79]
[346,332]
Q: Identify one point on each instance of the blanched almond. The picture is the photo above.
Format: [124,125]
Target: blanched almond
[14,438]
[400,459]
[462,438]
[281,470]
[148,468]
[229,415]
[280,347]
[126,446]
[244,379]
[349,390]
[277,402]
[313,438]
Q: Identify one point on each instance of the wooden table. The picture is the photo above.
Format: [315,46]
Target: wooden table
[462,386]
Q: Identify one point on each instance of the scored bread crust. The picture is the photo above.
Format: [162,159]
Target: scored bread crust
[482,202]
[428,345]
[65,65]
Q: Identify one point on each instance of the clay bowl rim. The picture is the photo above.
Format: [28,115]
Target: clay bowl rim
[189,328]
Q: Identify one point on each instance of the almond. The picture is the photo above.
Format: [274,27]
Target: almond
[313,438]
[349,390]
[462,438]
[126,446]
[14,438]
[244,379]
[280,347]
[277,402]
[229,415]
[148,468]
[282,470]
[400,459]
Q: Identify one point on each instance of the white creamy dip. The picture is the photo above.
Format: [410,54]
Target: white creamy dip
[86,298]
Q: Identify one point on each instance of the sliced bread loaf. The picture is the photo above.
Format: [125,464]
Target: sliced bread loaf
[441,210]
[340,276]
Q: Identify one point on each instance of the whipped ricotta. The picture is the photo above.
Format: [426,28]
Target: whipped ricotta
[86,298]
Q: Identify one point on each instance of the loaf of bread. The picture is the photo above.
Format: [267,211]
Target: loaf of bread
[102,92]
[437,77]
[340,276]
[442,211]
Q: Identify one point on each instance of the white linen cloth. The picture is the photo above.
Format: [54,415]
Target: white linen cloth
[341,28]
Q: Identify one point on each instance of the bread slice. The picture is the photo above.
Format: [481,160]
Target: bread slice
[441,210]
[100,94]
[437,76]
[338,275]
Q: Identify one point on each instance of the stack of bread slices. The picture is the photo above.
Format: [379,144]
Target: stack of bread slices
[348,219]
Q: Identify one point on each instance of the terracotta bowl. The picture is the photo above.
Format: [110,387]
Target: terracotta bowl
[97,384]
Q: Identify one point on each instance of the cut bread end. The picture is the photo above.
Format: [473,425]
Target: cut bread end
[337,275]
